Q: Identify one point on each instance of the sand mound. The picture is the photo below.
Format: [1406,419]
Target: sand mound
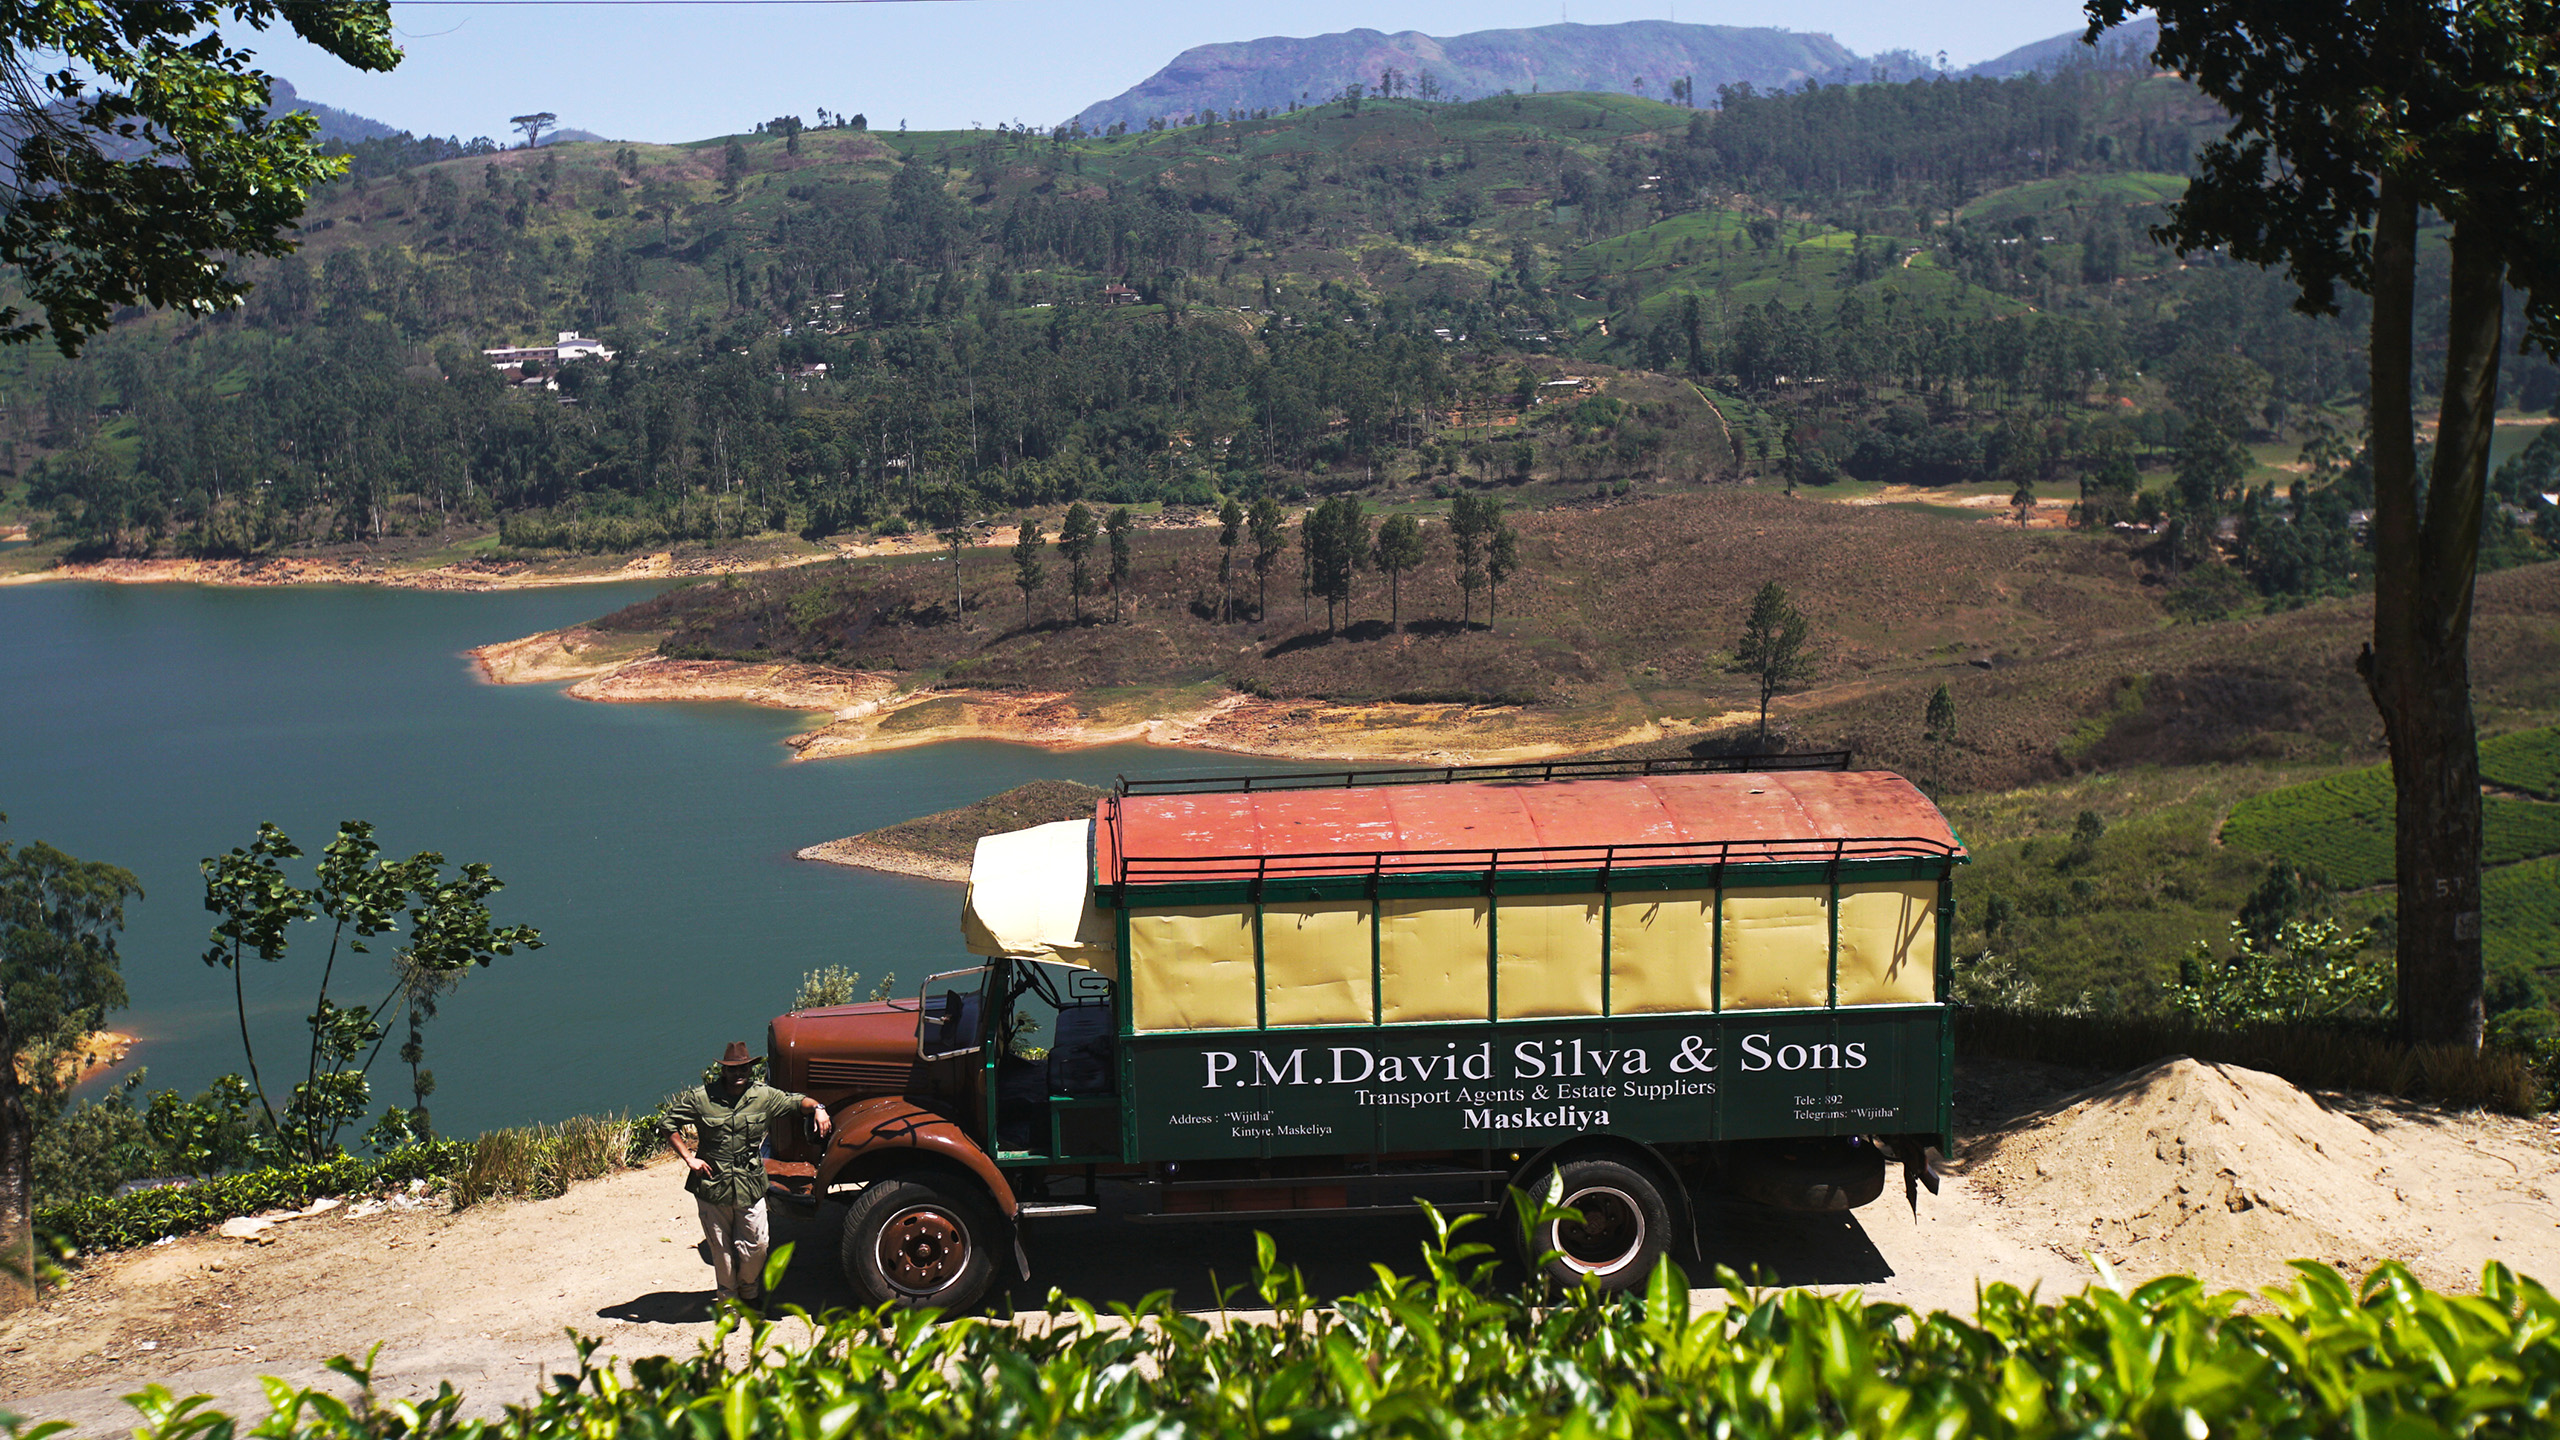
[2213,1169]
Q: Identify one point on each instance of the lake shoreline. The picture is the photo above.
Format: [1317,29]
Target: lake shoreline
[152,726]
[98,1052]
[859,853]
[489,575]
[288,571]
[873,712]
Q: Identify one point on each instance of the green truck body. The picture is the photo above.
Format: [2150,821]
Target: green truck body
[1282,998]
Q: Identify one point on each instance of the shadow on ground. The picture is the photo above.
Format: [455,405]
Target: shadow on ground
[662,1307]
[1107,1258]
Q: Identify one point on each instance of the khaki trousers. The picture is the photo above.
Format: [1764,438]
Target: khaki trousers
[735,1239]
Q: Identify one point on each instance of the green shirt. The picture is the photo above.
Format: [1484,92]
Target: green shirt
[730,1139]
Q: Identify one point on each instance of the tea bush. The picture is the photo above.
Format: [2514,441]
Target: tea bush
[124,1221]
[533,1162]
[1446,1354]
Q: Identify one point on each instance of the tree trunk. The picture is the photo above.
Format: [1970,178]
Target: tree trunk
[2418,667]
[17,1181]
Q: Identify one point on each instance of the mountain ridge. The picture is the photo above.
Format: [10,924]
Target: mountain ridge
[1275,71]
[348,128]
[1641,57]
[344,126]
[2125,46]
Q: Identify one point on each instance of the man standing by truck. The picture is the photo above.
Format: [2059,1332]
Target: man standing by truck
[729,1118]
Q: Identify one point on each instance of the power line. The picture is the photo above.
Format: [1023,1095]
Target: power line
[511,4]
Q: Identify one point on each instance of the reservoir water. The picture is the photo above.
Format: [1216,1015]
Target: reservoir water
[152,726]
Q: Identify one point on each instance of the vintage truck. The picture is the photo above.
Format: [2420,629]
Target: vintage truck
[1280,996]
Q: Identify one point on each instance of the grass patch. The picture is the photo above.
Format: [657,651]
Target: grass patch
[929,715]
[2104,927]
[2044,197]
[954,834]
[536,1162]
[2127,702]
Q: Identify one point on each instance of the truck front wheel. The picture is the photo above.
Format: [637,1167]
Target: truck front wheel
[920,1240]
[1625,1225]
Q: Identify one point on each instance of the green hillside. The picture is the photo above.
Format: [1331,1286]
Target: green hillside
[823,332]
[1366,293]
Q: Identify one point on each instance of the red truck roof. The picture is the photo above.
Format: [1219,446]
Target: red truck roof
[1742,818]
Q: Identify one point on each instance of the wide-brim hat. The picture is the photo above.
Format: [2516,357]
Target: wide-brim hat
[737,1054]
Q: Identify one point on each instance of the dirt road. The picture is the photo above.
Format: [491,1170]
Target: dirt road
[484,1298]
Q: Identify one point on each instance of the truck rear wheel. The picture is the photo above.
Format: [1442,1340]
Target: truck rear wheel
[1625,1225]
[920,1240]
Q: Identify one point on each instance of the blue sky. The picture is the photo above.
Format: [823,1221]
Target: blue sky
[682,72]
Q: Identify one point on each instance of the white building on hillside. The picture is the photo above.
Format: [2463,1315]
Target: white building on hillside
[570,346]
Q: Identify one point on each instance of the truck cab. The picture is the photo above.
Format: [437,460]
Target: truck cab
[1253,998]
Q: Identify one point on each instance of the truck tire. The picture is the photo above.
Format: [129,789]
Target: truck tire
[1625,1225]
[921,1239]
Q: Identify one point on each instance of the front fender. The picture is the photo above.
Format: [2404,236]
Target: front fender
[881,1135]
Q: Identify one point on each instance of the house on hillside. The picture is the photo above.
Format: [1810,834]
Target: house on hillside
[569,346]
[1116,293]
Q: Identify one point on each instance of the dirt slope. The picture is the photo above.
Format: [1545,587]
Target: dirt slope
[2226,1172]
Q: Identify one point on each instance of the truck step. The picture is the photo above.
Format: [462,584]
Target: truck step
[1054,1210]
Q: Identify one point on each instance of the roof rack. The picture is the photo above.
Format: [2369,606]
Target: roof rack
[1523,772]
[1265,867]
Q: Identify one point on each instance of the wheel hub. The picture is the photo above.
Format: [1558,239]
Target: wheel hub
[922,1249]
[1610,1234]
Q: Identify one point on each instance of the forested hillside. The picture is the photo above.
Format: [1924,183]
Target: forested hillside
[829,329]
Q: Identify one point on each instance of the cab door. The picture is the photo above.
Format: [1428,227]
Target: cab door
[1054,1079]
[951,1044]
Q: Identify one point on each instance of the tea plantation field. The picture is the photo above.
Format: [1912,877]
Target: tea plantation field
[2522,903]
[2340,825]
[2528,760]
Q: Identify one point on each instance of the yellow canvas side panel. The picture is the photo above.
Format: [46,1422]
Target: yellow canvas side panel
[1547,956]
[1431,959]
[1889,943]
[1777,947]
[1315,958]
[1193,968]
[1661,952]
